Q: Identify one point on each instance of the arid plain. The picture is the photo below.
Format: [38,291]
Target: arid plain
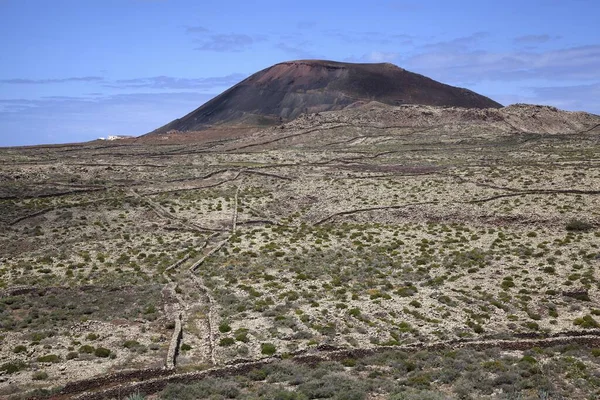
[370,228]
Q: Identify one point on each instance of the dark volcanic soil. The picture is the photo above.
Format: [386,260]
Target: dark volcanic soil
[284,91]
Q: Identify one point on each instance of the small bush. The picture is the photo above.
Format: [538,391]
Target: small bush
[587,322]
[528,359]
[12,367]
[576,225]
[185,347]
[258,374]
[268,349]
[532,325]
[102,352]
[349,362]
[49,358]
[241,335]
[224,327]
[507,283]
[86,349]
[131,344]
[407,291]
[39,376]
[355,312]
[19,349]
[226,341]
[150,309]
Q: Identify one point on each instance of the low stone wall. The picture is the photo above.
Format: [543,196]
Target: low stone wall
[113,379]
[156,384]
[174,344]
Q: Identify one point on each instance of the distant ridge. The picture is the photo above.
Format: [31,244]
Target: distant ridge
[284,91]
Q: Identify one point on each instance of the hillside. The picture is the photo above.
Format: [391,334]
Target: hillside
[284,91]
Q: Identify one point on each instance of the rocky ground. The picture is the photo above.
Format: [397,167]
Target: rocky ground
[356,229]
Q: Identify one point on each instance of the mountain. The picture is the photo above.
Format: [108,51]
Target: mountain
[284,91]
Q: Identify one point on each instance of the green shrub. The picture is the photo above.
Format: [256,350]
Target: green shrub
[349,362]
[447,300]
[587,322]
[102,352]
[420,380]
[226,341]
[185,347]
[86,349]
[20,349]
[209,388]
[150,309]
[258,374]
[415,304]
[49,358]
[72,355]
[333,386]
[38,336]
[224,327]
[13,366]
[241,335]
[39,376]
[131,344]
[407,291]
[576,225]
[268,349]
[528,359]
[507,283]
[532,325]
[355,312]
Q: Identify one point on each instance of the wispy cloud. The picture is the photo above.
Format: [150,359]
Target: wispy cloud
[297,51]
[534,39]
[155,82]
[196,29]
[573,63]
[457,44]
[168,82]
[19,81]
[372,37]
[233,42]
[209,40]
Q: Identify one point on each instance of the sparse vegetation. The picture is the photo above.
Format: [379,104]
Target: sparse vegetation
[407,236]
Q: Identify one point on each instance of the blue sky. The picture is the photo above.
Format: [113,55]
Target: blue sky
[76,70]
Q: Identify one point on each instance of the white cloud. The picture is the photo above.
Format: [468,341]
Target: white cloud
[575,63]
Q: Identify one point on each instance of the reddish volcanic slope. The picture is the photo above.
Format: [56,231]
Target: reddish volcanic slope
[286,90]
